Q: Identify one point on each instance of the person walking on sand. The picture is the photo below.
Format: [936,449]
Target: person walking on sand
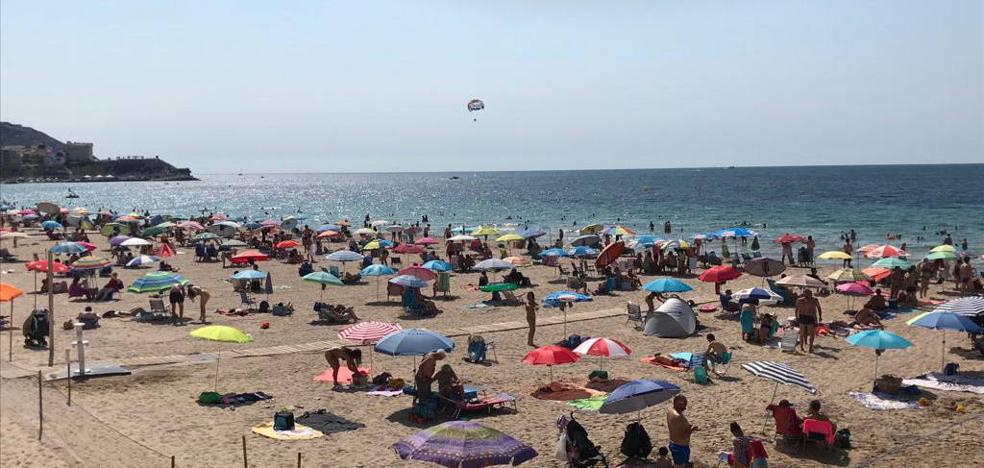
[808,314]
[202,295]
[531,307]
[680,430]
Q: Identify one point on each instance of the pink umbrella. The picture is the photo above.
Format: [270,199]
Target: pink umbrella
[368,332]
[789,239]
[89,247]
[884,251]
[193,225]
[270,222]
[418,272]
[408,248]
[854,289]
[218,217]
[425,241]
[26,212]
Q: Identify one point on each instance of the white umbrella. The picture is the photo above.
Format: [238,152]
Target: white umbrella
[461,237]
[135,242]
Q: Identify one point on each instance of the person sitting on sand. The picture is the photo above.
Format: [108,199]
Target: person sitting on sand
[112,286]
[877,302]
[764,331]
[867,319]
[814,412]
[352,357]
[448,384]
[787,422]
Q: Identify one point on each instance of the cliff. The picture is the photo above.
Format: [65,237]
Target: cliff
[19,135]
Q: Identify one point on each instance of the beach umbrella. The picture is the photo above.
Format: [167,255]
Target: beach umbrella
[666,285]
[153,231]
[879,340]
[461,238]
[324,279]
[892,263]
[232,244]
[585,240]
[944,320]
[218,217]
[127,218]
[719,274]
[780,373]
[764,267]
[558,298]
[329,234]
[518,261]
[609,254]
[885,251]
[854,289]
[115,241]
[408,249]
[553,252]
[253,225]
[380,222]
[192,225]
[463,444]
[638,395]
[377,271]
[29,217]
[372,245]
[225,228]
[437,265]
[425,241]
[42,266]
[941,255]
[511,237]
[91,263]
[221,333]
[51,225]
[142,260]
[834,255]
[802,281]
[88,246]
[205,236]
[344,256]
[876,273]
[286,244]
[499,287]
[249,275]
[971,306]
[737,231]
[249,255]
[531,233]
[418,272]
[156,281]
[367,333]
[603,348]
[645,240]
[789,239]
[485,231]
[673,244]
[550,356]
[591,229]
[413,342]
[944,248]
[493,264]
[582,251]
[365,232]
[13,235]
[761,294]
[135,242]
[616,230]
[67,248]
[9,292]
[328,227]
[408,281]
[846,275]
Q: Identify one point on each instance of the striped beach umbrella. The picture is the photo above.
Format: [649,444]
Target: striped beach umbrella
[780,373]
[368,332]
[968,306]
[142,260]
[91,263]
[67,248]
[603,348]
[156,281]
[463,444]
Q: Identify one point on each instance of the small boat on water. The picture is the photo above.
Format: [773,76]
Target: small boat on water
[71,194]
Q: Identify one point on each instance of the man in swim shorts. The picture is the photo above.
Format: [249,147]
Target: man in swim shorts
[680,430]
[808,314]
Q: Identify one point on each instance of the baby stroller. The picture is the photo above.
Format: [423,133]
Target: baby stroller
[580,451]
[35,329]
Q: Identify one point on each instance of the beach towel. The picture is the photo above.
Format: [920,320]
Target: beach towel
[382,390]
[652,360]
[344,374]
[565,392]
[589,404]
[883,401]
[327,423]
[209,398]
[951,383]
[300,432]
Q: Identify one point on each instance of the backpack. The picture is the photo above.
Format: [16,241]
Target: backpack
[264,307]
[636,443]
[476,349]
[842,439]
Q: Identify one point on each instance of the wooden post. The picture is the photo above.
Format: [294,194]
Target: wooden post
[68,365]
[40,408]
[298,459]
[245,460]
[10,330]
[51,310]
[172,461]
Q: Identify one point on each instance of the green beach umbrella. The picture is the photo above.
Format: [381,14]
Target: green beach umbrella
[493,287]
[205,236]
[941,255]
[153,231]
[943,248]
[892,262]
[324,279]
[156,281]
[109,228]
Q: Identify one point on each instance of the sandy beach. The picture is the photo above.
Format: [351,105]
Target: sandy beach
[152,414]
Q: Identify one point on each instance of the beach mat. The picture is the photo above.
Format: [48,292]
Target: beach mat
[300,432]
[344,375]
[883,401]
[328,423]
[949,383]
[589,404]
[382,390]
[652,360]
[566,392]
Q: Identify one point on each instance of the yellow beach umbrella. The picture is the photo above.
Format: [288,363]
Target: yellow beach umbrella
[374,245]
[834,255]
[943,248]
[846,275]
[512,236]
[221,333]
[591,229]
[485,231]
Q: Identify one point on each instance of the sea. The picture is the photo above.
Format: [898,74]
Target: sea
[909,203]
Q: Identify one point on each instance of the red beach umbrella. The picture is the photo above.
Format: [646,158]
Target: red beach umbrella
[609,254]
[247,255]
[789,239]
[287,244]
[418,272]
[719,274]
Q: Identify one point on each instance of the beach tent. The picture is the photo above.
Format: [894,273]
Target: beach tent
[674,319]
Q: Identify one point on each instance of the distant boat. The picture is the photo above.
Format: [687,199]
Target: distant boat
[240,174]
[731,167]
[454,177]
[71,194]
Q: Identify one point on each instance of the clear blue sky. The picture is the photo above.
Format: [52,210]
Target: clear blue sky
[382,85]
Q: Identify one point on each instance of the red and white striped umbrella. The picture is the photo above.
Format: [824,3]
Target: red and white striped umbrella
[603,347]
[884,251]
[368,332]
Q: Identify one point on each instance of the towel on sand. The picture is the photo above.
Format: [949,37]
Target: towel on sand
[300,432]
[652,360]
[883,401]
[382,390]
[344,374]
[328,423]
[564,392]
[589,404]
[952,383]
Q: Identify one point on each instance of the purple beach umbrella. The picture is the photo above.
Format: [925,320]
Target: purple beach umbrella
[464,444]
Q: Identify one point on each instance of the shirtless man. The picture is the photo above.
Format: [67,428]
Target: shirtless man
[680,430]
[531,307]
[714,353]
[809,314]
[335,356]
[425,373]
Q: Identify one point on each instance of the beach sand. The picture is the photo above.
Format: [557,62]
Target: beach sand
[145,418]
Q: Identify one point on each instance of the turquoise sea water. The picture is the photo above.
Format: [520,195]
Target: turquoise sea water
[822,201]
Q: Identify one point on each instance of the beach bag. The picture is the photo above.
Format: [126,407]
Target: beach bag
[951,368]
[636,442]
[476,349]
[560,451]
[280,310]
[700,375]
[264,307]
[382,379]
[209,398]
[283,421]
[842,439]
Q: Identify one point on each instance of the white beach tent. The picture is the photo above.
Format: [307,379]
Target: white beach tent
[674,319]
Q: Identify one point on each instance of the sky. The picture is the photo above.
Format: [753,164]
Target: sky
[260,86]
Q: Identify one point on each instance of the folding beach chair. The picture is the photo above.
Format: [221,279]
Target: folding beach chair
[633,314]
[157,308]
[245,300]
[790,338]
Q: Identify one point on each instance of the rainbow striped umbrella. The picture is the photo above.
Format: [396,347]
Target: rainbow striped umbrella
[91,263]
[464,444]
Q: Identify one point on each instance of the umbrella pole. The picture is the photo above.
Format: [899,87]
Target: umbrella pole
[377,289]
[215,384]
[943,353]
[10,329]
[35,295]
[876,364]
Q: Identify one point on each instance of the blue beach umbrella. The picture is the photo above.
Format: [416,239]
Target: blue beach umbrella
[554,252]
[437,265]
[892,262]
[938,320]
[51,225]
[555,298]
[143,260]
[328,227]
[582,251]
[377,270]
[531,232]
[252,225]
[67,248]
[409,281]
[878,340]
[760,294]
[637,395]
[413,342]
[249,275]
[971,306]
[665,285]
